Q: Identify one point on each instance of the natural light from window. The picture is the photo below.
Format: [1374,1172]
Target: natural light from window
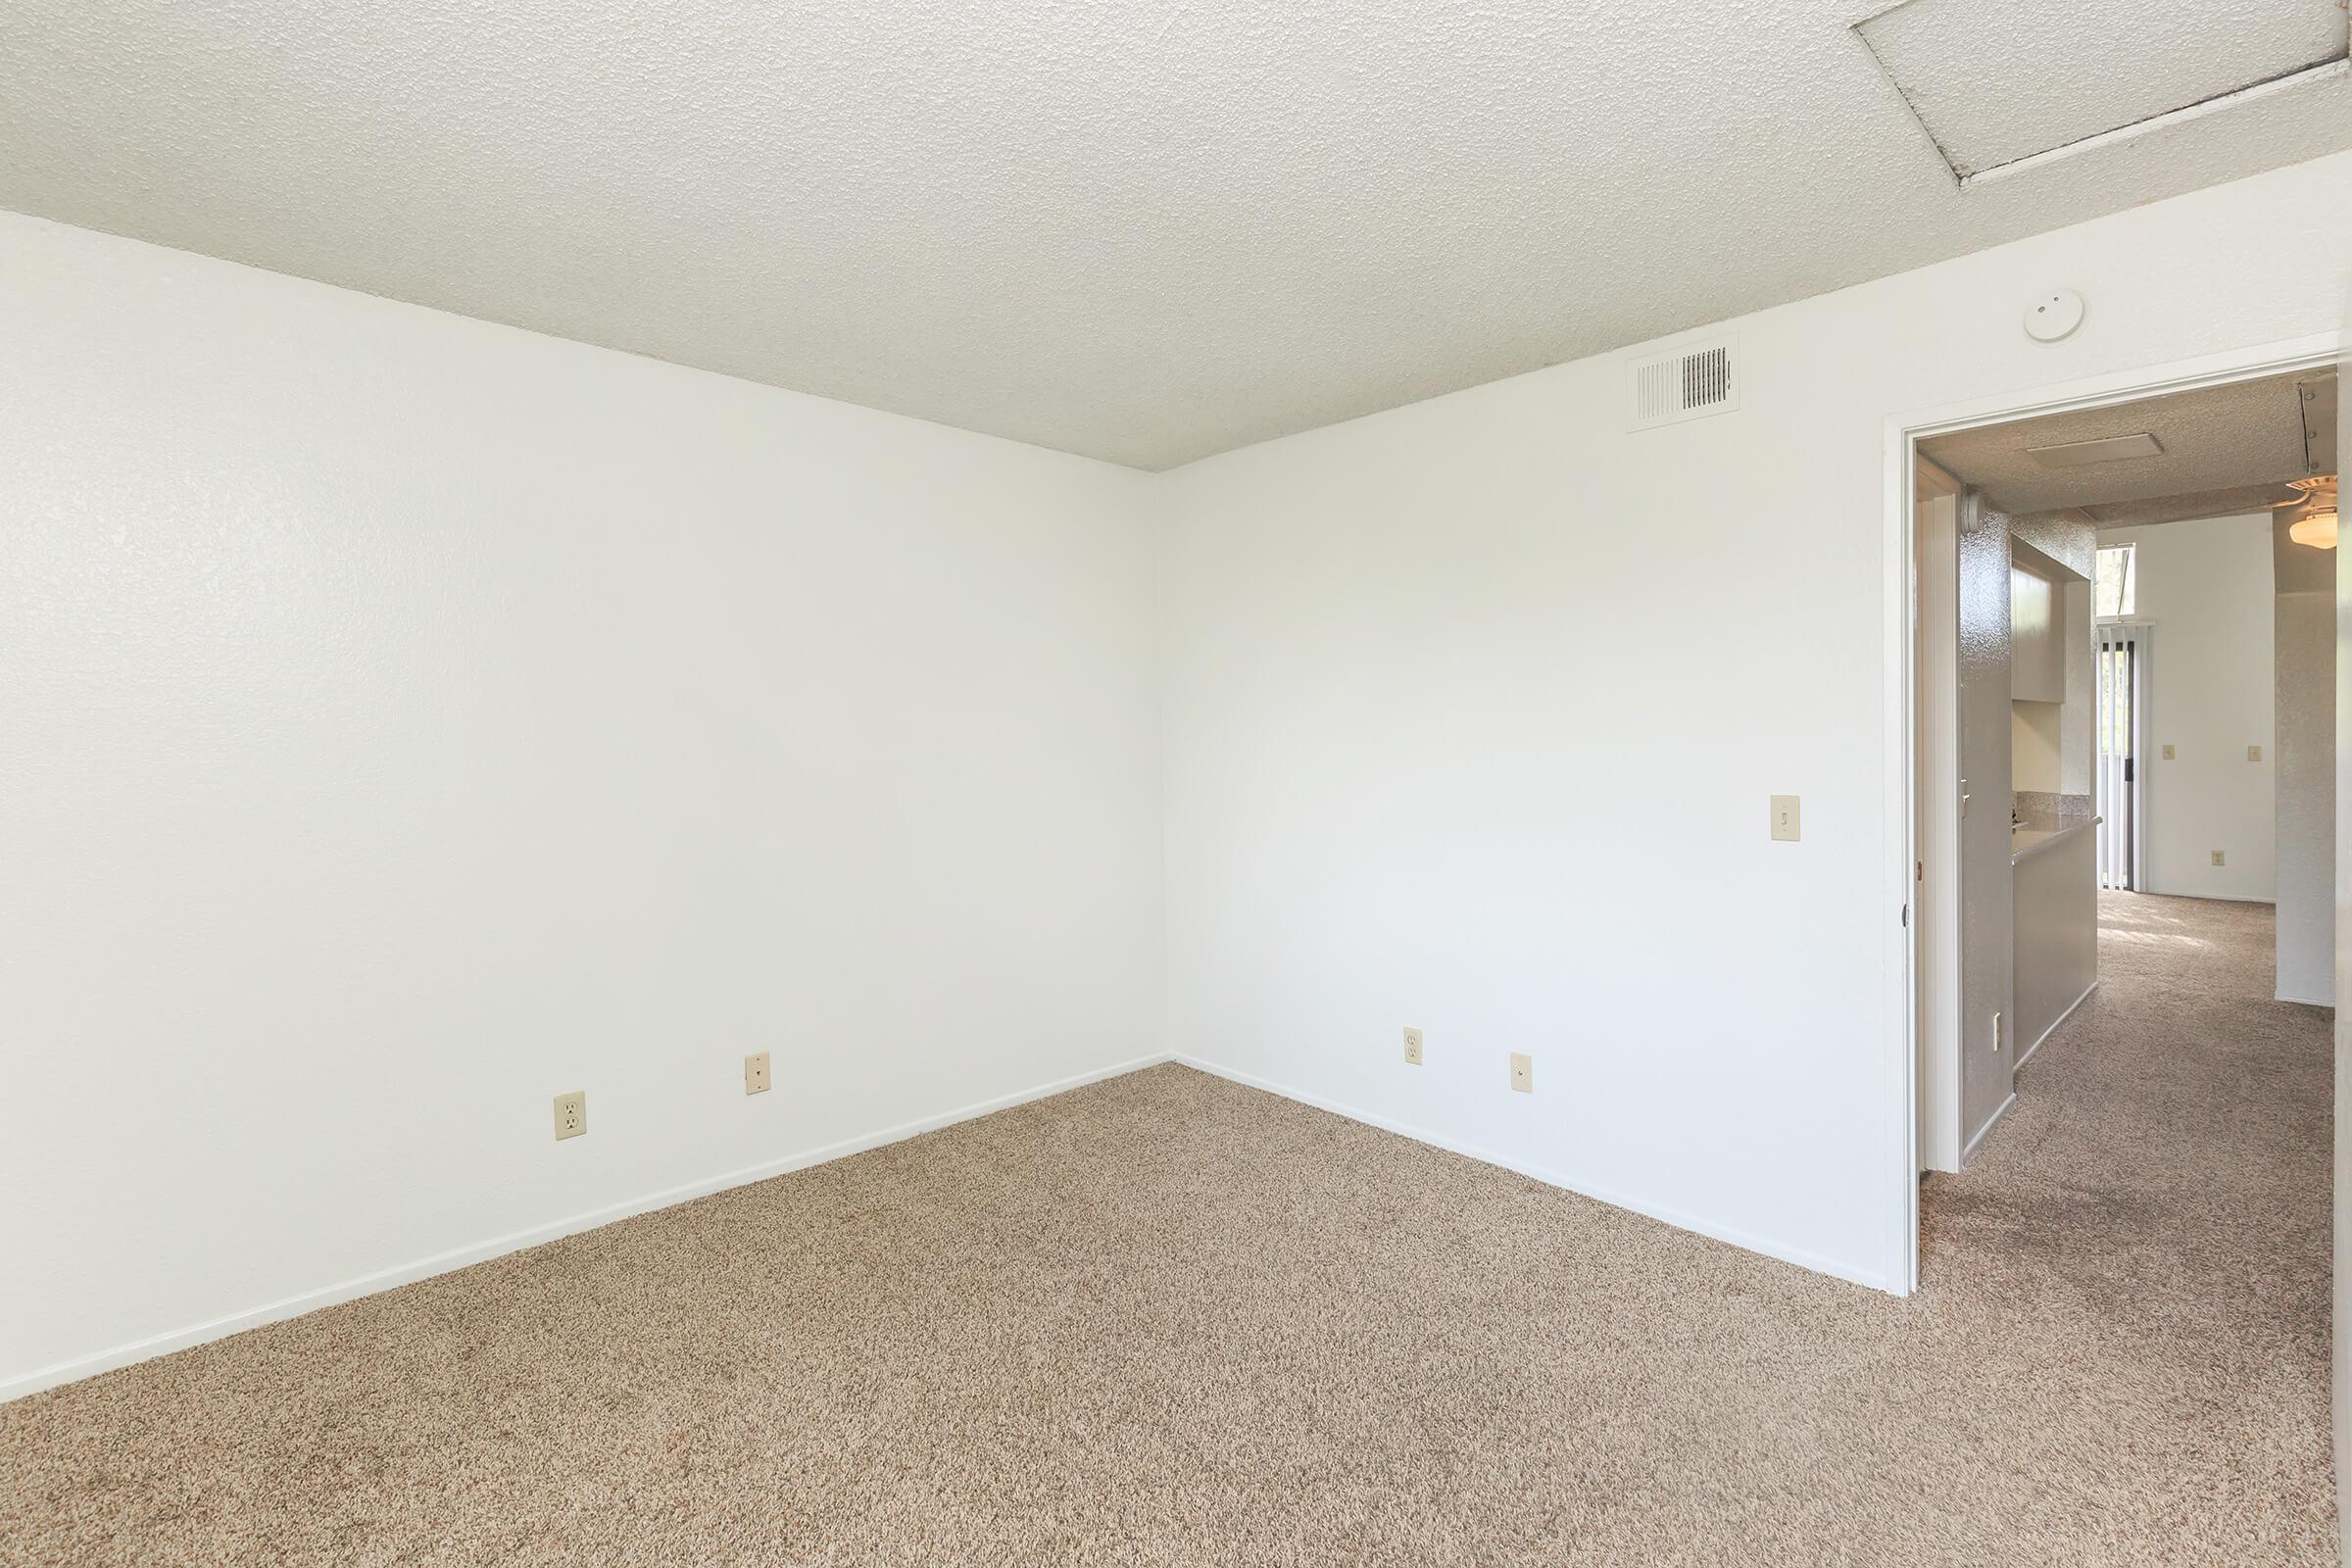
[2113,587]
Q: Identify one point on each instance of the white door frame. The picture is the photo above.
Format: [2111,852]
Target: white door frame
[1900,1056]
[1940,500]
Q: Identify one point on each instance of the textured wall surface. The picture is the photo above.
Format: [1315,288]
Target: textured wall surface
[1474,711]
[1145,231]
[1988,912]
[408,719]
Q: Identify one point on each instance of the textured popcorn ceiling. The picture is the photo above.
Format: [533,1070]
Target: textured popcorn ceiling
[1143,231]
[2225,449]
[1997,80]
[2195,504]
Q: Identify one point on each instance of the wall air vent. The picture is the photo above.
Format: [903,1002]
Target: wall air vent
[1689,382]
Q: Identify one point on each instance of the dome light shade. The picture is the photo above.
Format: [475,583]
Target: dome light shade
[2314,528]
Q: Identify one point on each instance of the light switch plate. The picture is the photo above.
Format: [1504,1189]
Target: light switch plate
[571,1113]
[1785,825]
[2253,753]
[755,1073]
[2168,754]
[1412,1047]
[2217,859]
[1522,1072]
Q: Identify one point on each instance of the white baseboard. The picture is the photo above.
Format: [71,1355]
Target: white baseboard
[1802,1259]
[219,1328]
[2210,898]
[1991,1122]
[2306,1002]
[2027,1054]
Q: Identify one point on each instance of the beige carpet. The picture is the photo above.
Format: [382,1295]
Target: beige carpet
[1169,1320]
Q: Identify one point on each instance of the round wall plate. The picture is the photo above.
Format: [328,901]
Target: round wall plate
[2054,316]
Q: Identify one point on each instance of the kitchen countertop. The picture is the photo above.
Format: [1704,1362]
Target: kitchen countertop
[2037,832]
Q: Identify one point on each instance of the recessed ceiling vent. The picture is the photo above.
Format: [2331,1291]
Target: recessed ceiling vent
[1688,383]
[2106,449]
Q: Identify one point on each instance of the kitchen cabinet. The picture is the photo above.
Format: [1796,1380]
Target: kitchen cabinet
[2037,639]
[2055,883]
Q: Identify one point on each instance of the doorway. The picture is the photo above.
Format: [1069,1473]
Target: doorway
[1927,928]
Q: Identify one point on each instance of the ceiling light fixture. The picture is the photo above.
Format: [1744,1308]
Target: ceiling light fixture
[2317,527]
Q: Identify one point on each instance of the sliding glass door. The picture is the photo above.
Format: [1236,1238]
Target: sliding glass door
[2121,673]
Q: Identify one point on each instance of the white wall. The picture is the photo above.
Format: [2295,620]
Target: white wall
[2306,804]
[408,718]
[2208,588]
[1474,709]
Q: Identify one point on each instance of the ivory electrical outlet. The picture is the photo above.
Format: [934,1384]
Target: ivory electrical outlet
[2253,753]
[1522,1072]
[571,1113]
[1412,1047]
[755,1073]
[1785,818]
[2218,859]
[2168,754]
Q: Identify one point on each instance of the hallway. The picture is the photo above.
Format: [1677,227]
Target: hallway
[2156,1203]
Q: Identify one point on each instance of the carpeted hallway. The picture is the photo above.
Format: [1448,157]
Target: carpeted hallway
[1171,1320]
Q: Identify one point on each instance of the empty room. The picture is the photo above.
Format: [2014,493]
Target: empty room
[1171,784]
